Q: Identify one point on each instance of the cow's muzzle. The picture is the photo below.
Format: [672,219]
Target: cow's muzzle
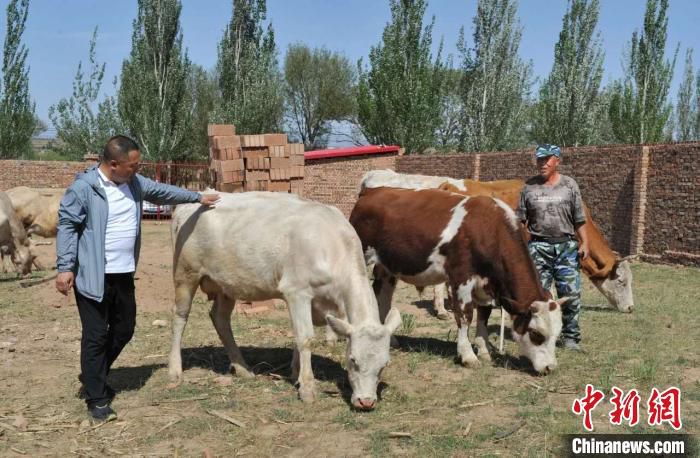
[365,403]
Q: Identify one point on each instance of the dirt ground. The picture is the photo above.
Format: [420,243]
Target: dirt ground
[438,407]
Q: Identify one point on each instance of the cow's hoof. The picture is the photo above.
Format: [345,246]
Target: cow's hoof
[241,371]
[174,384]
[307,394]
[443,315]
[471,363]
[484,356]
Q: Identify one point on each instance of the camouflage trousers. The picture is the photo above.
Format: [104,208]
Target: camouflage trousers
[559,262]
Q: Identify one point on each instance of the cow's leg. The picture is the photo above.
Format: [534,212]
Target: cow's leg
[384,285]
[183,302]
[331,337]
[464,313]
[300,314]
[482,333]
[439,302]
[220,314]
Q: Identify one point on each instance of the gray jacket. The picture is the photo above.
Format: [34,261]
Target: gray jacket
[82,225]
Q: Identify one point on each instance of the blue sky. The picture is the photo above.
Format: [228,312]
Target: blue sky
[58,32]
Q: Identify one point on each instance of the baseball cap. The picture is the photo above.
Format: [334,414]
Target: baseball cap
[547,150]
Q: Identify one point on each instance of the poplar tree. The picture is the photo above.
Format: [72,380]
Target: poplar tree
[497,91]
[154,101]
[250,82]
[639,106]
[399,95]
[17,120]
[566,111]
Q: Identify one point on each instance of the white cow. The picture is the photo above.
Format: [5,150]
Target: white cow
[14,243]
[391,179]
[38,210]
[257,246]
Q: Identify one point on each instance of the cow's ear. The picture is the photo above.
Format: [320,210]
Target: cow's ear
[341,327]
[392,320]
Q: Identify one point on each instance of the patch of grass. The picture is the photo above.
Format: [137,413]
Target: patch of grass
[282,415]
[692,394]
[350,420]
[379,444]
[443,445]
[408,323]
[646,371]
[412,364]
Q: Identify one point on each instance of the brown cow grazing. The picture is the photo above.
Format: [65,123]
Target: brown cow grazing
[477,246]
[611,274]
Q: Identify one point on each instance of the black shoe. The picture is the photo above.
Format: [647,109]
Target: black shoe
[108,390]
[102,413]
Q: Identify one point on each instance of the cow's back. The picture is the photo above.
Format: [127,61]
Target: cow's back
[257,241]
[402,226]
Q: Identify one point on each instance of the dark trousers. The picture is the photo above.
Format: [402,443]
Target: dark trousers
[107,328]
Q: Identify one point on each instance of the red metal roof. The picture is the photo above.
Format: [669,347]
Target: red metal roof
[353,151]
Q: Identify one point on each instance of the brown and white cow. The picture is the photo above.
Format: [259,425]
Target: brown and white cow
[477,246]
[269,245]
[611,274]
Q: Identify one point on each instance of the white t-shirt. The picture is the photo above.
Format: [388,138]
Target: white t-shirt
[121,227]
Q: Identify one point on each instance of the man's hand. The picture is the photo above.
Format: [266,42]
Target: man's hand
[209,199]
[64,282]
[583,251]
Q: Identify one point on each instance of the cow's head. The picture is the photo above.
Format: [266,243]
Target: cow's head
[537,333]
[617,286]
[22,258]
[367,355]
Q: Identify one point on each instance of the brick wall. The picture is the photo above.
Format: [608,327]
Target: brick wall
[672,222]
[600,172]
[449,165]
[38,174]
[646,200]
[335,181]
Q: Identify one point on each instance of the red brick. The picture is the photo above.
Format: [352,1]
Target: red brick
[226,141]
[280,163]
[275,139]
[221,129]
[255,152]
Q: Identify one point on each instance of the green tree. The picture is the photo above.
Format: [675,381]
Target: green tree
[82,125]
[205,97]
[639,107]
[696,109]
[249,79]
[685,115]
[17,120]
[496,95]
[566,110]
[154,101]
[399,96]
[319,89]
[447,135]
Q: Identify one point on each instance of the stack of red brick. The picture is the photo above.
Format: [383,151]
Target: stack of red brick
[264,162]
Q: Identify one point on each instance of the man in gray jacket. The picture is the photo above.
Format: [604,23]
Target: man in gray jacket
[97,249]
